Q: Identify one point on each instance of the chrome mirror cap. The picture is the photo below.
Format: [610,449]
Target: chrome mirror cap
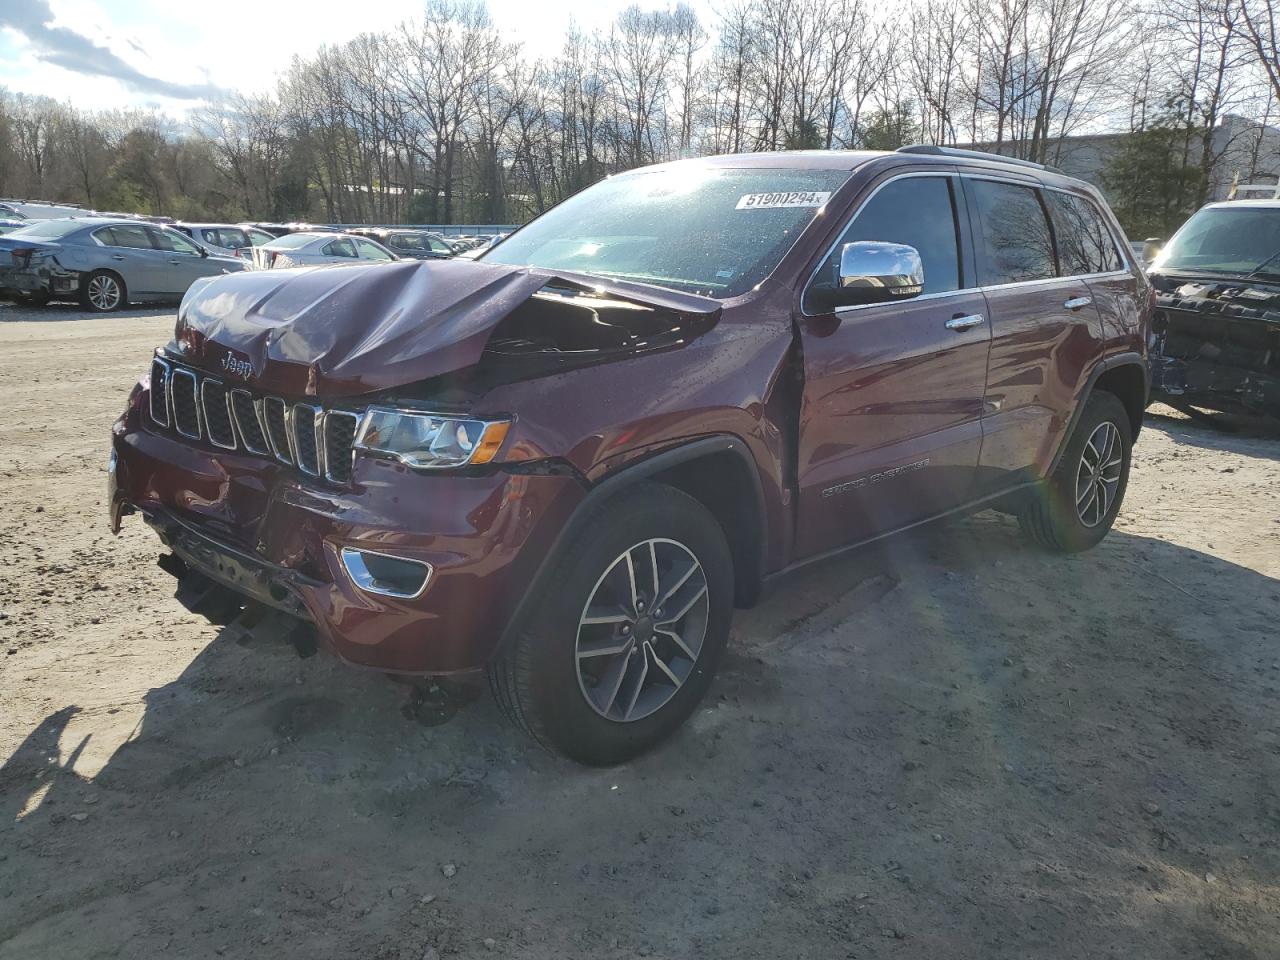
[884,271]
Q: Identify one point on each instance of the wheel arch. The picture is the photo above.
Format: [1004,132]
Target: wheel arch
[1127,376]
[719,472]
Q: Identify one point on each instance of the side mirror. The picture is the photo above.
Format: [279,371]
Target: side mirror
[1151,248]
[870,271]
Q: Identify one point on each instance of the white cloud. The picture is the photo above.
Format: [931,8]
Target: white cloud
[244,44]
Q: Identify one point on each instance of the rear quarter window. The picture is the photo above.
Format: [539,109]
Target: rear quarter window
[1085,242]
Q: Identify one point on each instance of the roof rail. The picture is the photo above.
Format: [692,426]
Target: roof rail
[932,150]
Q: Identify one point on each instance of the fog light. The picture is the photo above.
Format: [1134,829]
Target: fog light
[384,574]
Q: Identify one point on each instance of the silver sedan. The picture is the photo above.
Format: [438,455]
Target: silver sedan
[313,248]
[105,263]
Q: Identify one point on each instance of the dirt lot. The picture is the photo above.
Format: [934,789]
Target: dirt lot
[951,747]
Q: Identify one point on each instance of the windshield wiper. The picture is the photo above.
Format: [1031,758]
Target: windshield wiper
[1265,263]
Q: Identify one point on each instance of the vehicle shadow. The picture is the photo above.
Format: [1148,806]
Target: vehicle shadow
[951,745]
[1236,432]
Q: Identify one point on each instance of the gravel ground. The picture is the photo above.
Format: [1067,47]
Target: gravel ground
[953,746]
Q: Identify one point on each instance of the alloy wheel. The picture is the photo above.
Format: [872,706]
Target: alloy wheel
[1098,476]
[104,292]
[641,630]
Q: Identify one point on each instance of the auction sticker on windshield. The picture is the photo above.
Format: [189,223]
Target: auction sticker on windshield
[791,198]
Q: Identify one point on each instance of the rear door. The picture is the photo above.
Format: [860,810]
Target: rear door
[1088,248]
[890,425]
[1044,330]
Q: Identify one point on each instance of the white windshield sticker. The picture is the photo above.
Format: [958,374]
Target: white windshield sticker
[792,198]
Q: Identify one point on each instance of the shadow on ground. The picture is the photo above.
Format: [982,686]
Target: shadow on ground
[952,746]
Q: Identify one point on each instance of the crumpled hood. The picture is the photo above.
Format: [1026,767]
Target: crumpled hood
[350,330]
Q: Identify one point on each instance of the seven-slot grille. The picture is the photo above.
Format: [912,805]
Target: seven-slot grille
[319,442]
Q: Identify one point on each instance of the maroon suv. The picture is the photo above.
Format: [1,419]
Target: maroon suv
[567,462]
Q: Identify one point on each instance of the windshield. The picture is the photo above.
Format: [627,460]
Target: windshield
[1235,240]
[709,231]
[47,229]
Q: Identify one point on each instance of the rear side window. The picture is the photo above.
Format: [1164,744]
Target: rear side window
[917,211]
[340,248]
[1014,241]
[125,236]
[1085,243]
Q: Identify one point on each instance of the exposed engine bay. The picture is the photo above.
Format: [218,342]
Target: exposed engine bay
[1217,343]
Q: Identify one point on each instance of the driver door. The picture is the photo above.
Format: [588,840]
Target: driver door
[180,262]
[891,418]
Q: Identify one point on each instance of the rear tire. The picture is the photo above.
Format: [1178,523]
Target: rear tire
[600,671]
[1077,505]
[103,291]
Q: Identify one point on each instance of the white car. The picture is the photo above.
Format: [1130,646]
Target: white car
[309,249]
[226,239]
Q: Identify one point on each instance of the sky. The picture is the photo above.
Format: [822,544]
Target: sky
[108,54]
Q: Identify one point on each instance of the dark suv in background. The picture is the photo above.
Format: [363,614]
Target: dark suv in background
[565,463]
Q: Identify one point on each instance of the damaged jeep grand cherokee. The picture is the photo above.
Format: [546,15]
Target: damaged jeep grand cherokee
[566,462]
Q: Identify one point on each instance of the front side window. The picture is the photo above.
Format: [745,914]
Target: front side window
[1235,240]
[717,232]
[1013,237]
[258,237]
[171,241]
[917,211]
[371,251]
[1085,243]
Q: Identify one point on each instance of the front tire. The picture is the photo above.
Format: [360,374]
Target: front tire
[1077,505]
[625,642]
[103,291]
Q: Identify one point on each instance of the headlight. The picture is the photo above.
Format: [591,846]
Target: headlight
[430,440]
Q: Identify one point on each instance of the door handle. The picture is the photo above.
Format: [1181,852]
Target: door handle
[117,256]
[1075,303]
[965,321]
[175,262]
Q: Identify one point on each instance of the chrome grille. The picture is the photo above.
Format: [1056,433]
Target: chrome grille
[274,413]
[339,440]
[216,406]
[249,422]
[160,392]
[319,442]
[306,420]
[182,398]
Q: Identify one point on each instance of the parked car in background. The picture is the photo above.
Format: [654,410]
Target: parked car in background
[478,250]
[450,467]
[283,229]
[8,226]
[1217,326]
[104,263]
[226,239]
[38,210]
[313,249]
[409,243]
